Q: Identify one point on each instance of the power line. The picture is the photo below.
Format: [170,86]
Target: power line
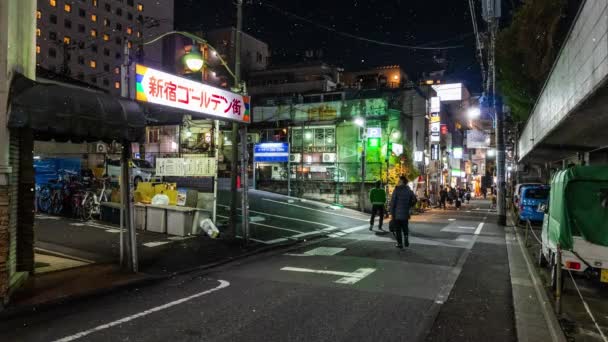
[352,36]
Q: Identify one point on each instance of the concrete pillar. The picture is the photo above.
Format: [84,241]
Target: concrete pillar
[17,54]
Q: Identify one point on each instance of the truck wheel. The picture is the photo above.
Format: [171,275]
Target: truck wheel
[542,261]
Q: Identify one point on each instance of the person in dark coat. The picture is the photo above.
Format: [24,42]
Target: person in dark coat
[402,199]
[443,197]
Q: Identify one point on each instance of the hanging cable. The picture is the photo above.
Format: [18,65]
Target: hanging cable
[364,39]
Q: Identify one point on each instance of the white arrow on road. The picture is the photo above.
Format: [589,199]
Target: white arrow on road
[348,278]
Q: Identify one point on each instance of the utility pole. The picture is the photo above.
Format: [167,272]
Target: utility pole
[235,133]
[363,162]
[491,13]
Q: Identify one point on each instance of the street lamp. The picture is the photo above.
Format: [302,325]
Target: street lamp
[360,122]
[193,60]
[474,112]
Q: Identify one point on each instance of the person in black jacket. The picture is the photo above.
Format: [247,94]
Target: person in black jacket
[402,199]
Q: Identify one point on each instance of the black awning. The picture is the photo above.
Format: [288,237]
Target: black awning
[66,112]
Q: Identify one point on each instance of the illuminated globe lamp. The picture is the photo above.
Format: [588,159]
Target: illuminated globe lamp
[193,60]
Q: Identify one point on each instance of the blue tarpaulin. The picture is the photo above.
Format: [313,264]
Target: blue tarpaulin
[48,168]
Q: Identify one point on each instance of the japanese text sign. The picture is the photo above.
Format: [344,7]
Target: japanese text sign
[165,89]
[271,153]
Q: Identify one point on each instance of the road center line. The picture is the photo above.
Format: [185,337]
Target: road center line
[269,226]
[319,210]
[223,284]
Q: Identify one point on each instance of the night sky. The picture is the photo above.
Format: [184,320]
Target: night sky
[430,23]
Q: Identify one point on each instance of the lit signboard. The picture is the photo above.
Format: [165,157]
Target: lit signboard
[418,156]
[435,104]
[374,132]
[477,139]
[271,153]
[397,149]
[435,152]
[161,88]
[457,152]
[449,92]
[435,127]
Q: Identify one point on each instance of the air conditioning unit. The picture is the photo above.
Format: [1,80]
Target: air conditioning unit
[253,138]
[329,157]
[295,157]
[101,148]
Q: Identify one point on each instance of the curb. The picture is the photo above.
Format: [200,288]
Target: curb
[556,331]
[150,279]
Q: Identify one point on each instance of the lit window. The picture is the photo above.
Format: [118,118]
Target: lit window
[93,63]
[94,17]
[67,8]
[95,3]
[129,30]
[138,34]
[67,40]
[117,70]
[129,44]
[117,85]
[53,3]
[38,14]
[140,7]
[93,33]
[106,37]
[37,48]
[38,32]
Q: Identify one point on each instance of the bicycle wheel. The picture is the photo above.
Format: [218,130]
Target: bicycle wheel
[44,199]
[87,206]
[57,202]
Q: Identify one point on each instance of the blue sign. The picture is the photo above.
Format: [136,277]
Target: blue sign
[271,153]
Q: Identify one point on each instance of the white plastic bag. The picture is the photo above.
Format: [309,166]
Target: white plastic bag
[160,199]
[208,227]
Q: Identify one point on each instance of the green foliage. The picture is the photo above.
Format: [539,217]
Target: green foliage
[525,52]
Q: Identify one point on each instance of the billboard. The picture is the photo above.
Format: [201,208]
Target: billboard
[435,104]
[435,152]
[457,152]
[435,127]
[271,153]
[161,88]
[477,139]
[449,92]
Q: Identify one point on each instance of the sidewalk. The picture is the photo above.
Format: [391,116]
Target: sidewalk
[480,306]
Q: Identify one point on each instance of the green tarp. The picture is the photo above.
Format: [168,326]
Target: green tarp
[578,206]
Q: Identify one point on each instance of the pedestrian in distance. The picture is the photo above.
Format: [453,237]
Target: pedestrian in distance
[377,196]
[443,197]
[402,200]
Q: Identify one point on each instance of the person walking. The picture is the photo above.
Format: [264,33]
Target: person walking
[402,199]
[377,196]
[443,197]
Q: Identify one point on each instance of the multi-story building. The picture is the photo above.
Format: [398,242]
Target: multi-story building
[389,76]
[85,39]
[308,77]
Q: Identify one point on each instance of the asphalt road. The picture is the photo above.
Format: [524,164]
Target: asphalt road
[450,285]
[274,219]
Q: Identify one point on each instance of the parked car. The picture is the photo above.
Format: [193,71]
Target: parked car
[517,192]
[141,170]
[576,219]
[531,197]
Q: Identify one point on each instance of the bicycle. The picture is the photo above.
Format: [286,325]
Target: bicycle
[91,203]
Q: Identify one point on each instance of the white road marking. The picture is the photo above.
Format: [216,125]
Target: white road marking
[269,242]
[114,231]
[452,219]
[155,243]
[284,217]
[349,278]
[180,238]
[256,218]
[322,211]
[325,251]
[273,227]
[47,217]
[479,227]
[462,227]
[223,284]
